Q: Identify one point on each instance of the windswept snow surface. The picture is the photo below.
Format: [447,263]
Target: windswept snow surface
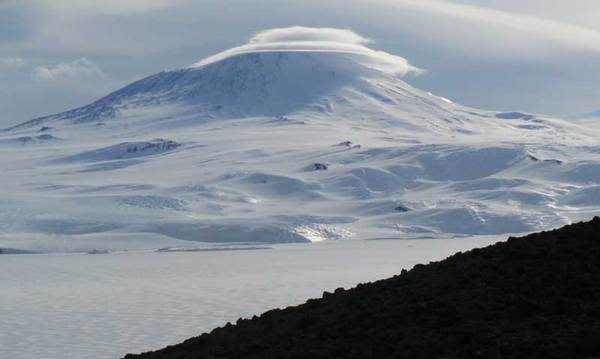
[227,151]
[102,306]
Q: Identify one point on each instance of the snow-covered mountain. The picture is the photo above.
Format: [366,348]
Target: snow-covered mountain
[302,135]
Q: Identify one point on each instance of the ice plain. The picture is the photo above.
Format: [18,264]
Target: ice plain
[103,306]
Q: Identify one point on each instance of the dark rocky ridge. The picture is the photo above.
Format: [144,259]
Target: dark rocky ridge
[533,297]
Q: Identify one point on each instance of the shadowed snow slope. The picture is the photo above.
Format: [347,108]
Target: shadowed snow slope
[301,135]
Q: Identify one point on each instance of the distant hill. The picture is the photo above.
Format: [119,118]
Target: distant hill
[531,297]
[592,114]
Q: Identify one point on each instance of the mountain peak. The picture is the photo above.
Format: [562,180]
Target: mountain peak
[277,72]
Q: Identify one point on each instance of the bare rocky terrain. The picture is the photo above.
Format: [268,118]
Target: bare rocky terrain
[531,297]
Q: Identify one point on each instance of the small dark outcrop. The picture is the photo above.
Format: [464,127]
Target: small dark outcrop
[28,140]
[348,144]
[531,297]
[127,150]
[15,251]
[514,116]
[46,137]
[98,251]
[401,209]
[156,145]
[553,161]
[320,167]
[24,139]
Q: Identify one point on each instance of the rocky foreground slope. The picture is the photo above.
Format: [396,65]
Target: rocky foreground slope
[531,297]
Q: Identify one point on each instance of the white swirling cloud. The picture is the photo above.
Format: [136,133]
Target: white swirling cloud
[308,39]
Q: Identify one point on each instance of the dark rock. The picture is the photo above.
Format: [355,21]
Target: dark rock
[401,209]
[531,297]
[514,116]
[46,137]
[24,139]
[535,159]
[348,144]
[321,167]
[98,251]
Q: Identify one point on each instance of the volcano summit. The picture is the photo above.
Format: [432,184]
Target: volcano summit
[301,135]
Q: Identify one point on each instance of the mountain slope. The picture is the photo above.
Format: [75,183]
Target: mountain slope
[299,136]
[534,297]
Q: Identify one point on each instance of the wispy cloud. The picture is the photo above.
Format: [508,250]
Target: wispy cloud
[107,6]
[12,62]
[78,69]
[565,33]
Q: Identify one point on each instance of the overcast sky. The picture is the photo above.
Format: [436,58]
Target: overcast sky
[530,55]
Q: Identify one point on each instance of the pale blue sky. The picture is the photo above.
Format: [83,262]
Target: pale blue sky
[530,55]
